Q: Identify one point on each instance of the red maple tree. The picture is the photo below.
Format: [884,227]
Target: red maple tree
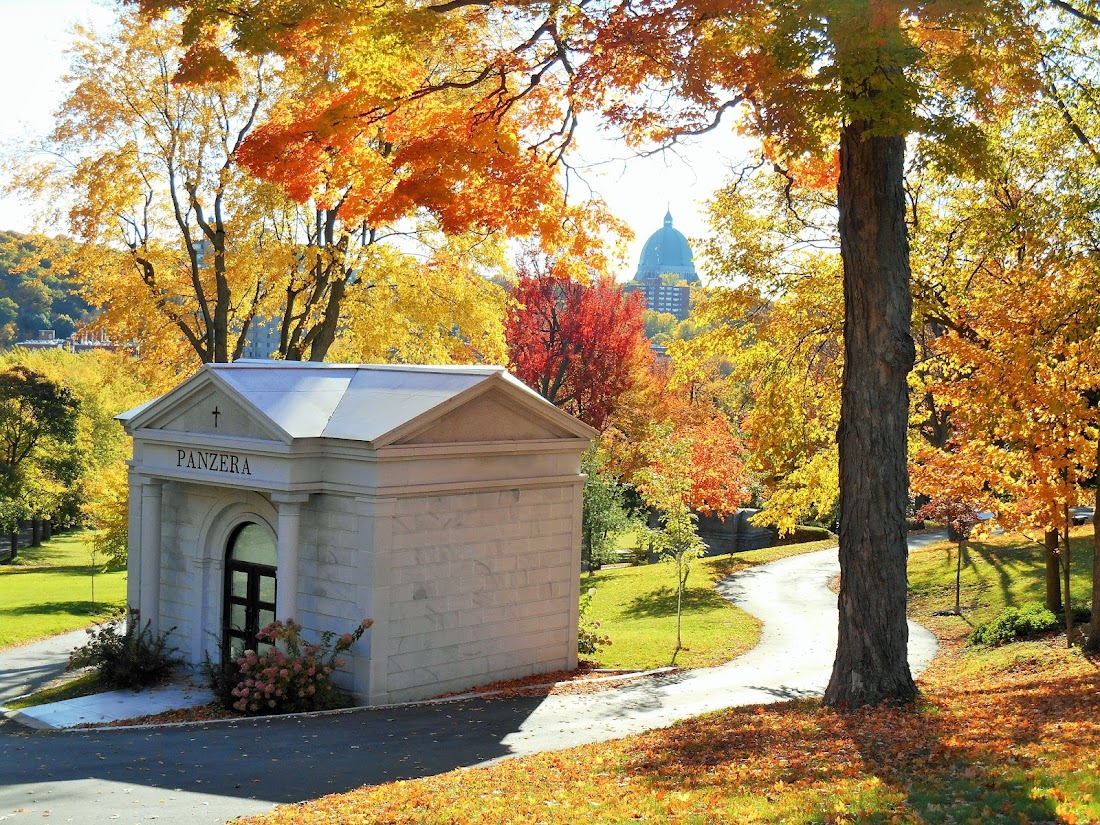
[580,346]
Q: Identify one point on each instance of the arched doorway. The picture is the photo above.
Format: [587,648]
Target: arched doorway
[249,603]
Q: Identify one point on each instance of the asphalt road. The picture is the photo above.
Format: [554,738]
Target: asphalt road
[213,772]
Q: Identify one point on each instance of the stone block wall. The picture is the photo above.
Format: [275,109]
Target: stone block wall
[329,569]
[482,587]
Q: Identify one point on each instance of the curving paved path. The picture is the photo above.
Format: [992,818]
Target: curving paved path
[210,773]
[30,667]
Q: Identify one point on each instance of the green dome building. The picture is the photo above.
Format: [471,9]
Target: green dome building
[666,271]
[667,252]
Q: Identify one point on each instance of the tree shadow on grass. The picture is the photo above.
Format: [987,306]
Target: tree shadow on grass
[83,570]
[661,602]
[76,607]
[1008,564]
[1027,563]
[985,752]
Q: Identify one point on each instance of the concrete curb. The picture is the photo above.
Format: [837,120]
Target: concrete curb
[19,717]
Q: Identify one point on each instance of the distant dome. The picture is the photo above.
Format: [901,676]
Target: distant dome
[666,253]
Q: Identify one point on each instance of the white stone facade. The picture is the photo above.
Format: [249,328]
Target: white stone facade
[452,520]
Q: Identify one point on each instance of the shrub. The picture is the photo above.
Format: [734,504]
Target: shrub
[801,534]
[292,676]
[127,658]
[1012,624]
[222,678]
[589,640]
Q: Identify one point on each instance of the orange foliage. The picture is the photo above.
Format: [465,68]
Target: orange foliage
[1022,360]
[1012,743]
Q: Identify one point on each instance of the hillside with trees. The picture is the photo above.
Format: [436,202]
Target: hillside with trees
[35,296]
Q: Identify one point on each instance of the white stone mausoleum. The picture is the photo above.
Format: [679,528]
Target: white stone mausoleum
[442,502]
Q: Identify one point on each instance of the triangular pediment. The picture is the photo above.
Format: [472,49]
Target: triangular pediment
[210,410]
[493,416]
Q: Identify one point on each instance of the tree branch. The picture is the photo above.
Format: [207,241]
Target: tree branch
[1076,12]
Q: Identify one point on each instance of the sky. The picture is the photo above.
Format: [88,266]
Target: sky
[35,33]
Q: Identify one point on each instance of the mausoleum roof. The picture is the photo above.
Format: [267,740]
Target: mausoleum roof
[355,402]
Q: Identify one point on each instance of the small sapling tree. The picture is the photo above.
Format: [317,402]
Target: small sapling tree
[666,486]
[676,541]
[961,518]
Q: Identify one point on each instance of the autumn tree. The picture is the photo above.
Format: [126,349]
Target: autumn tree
[95,489]
[37,428]
[775,314]
[185,251]
[578,345]
[666,487]
[807,78]
[144,174]
[1004,275]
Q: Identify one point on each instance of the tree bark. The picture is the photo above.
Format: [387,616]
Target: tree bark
[958,579]
[871,664]
[1054,583]
[36,532]
[1067,561]
[1093,642]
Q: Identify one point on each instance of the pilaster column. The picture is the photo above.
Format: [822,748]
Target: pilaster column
[575,581]
[149,599]
[290,522]
[133,543]
[372,663]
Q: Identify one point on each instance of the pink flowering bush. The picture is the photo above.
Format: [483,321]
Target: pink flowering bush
[292,676]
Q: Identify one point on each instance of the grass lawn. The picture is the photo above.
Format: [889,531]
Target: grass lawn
[998,572]
[47,590]
[1009,735]
[84,685]
[636,608]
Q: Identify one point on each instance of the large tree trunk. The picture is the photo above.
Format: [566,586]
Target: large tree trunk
[871,663]
[1053,571]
